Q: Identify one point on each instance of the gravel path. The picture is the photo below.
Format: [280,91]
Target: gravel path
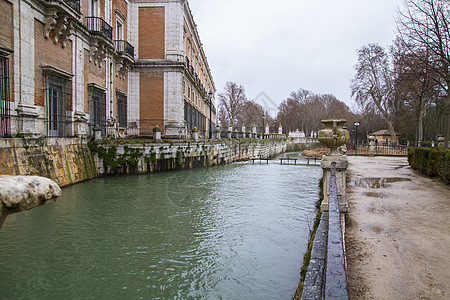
[398,236]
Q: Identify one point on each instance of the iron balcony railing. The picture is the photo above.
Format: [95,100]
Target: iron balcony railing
[124,47]
[98,25]
[75,4]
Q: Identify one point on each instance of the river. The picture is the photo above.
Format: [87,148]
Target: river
[228,232]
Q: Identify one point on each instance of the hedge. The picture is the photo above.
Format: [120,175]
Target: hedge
[431,161]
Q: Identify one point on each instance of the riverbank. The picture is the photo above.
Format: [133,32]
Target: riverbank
[316,152]
[398,233]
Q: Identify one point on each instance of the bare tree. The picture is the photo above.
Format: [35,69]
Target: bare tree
[222,117]
[291,112]
[251,114]
[231,101]
[415,83]
[424,26]
[304,110]
[374,84]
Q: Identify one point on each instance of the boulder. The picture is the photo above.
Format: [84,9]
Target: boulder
[18,193]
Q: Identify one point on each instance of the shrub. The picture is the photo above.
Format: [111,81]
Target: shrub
[432,162]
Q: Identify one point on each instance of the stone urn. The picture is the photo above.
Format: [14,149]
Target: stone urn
[334,135]
[441,140]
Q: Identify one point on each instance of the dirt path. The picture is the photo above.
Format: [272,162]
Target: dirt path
[398,236]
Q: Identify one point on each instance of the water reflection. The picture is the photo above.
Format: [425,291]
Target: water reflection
[230,232]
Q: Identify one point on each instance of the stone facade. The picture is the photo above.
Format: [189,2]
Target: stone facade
[69,65]
[172,82]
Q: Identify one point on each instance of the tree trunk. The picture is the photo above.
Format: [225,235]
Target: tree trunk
[447,121]
[391,130]
[420,126]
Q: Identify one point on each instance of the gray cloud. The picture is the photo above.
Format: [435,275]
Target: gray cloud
[281,46]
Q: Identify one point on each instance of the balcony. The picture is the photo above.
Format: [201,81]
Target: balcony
[75,4]
[123,47]
[98,25]
[60,16]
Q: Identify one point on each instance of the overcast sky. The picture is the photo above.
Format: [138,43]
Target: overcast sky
[277,47]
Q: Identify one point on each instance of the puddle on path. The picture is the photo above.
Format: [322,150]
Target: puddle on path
[376,183]
[377,229]
[381,210]
[375,195]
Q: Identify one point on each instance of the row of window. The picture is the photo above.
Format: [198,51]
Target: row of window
[194,118]
[192,56]
[194,97]
[59,104]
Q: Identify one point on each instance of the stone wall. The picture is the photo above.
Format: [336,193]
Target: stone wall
[140,158]
[64,160]
[73,160]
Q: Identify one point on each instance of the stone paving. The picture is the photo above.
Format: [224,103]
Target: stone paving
[398,232]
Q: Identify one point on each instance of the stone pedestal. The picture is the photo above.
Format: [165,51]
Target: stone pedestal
[97,133]
[157,135]
[195,136]
[28,116]
[341,167]
[441,141]
[80,122]
[371,145]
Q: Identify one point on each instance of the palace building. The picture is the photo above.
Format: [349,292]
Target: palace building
[121,67]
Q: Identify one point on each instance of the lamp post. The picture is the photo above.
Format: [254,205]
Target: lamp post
[264,125]
[356,137]
[210,105]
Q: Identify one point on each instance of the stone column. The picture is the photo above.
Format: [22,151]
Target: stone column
[341,167]
[334,136]
[371,145]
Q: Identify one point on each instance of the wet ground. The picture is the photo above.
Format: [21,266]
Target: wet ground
[398,236]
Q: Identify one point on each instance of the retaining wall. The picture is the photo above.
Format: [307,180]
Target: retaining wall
[140,158]
[72,160]
[64,160]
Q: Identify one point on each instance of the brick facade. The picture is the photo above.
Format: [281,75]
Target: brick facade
[151,32]
[75,65]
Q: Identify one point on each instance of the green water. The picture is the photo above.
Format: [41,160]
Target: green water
[227,232]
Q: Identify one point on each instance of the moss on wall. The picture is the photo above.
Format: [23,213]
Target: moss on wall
[64,160]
